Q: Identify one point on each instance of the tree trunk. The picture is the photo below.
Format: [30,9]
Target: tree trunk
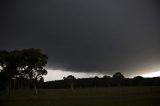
[72,85]
[10,84]
[35,88]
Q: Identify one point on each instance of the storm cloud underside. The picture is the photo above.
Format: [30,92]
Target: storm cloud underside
[103,36]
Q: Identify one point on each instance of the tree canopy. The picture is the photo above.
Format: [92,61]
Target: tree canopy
[26,63]
[118,75]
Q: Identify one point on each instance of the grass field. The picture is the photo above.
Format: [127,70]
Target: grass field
[111,96]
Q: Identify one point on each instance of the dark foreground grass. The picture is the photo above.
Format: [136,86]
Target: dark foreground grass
[111,96]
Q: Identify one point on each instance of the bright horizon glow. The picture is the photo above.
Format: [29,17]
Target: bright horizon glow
[59,74]
[152,74]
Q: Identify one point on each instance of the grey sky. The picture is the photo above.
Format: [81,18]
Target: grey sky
[101,36]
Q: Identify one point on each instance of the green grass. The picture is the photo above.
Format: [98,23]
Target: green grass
[111,96]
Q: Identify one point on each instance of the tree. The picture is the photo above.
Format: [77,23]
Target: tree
[95,79]
[10,61]
[137,80]
[3,77]
[106,77]
[3,61]
[27,64]
[33,64]
[118,79]
[118,75]
[71,79]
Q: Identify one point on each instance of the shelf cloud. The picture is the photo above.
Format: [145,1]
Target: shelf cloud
[103,36]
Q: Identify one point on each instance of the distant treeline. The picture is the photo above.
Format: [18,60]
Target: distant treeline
[106,81]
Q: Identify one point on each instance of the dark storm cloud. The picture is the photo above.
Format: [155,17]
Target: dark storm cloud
[85,35]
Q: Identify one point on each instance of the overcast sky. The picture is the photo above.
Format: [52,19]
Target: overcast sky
[86,36]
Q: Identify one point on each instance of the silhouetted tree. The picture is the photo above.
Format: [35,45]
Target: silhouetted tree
[3,60]
[24,64]
[106,77]
[33,65]
[118,79]
[3,75]
[106,80]
[10,63]
[118,75]
[137,80]
[71,79]
[95,81]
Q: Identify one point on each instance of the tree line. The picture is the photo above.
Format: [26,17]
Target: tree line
[22,68]
[117,79]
